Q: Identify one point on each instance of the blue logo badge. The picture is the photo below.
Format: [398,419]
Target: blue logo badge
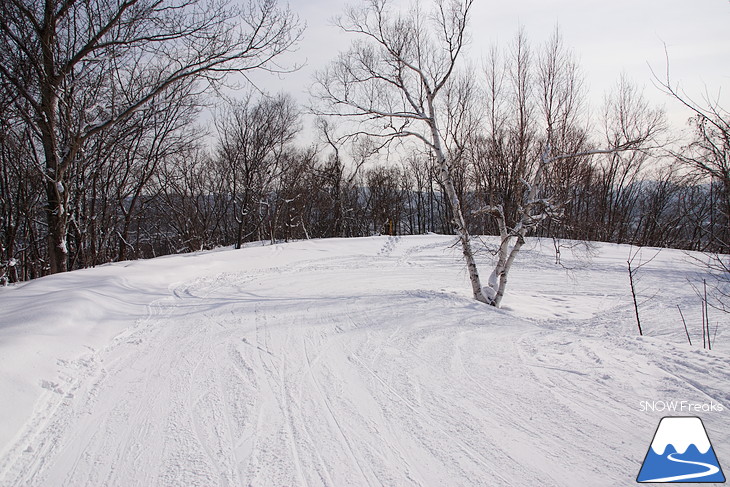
[681,452]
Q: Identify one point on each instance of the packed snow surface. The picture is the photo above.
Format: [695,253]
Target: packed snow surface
[352,362]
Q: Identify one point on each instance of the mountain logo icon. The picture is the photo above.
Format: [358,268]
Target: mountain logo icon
[681,452]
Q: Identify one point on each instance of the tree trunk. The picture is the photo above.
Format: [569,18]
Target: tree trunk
[239,234]
[459,223]
[57,196]
[505,271]
[57,227]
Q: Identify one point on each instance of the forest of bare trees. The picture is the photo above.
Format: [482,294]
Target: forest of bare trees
[103,157]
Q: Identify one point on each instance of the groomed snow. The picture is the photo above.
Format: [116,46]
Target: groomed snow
[350,362]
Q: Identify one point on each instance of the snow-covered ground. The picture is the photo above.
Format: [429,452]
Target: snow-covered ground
[351,362]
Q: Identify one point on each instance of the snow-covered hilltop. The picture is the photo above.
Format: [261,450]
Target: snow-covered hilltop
[350,362]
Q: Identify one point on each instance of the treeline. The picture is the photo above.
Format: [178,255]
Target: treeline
[156,190]
[102,158]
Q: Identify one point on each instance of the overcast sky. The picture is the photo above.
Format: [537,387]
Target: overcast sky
[608,38]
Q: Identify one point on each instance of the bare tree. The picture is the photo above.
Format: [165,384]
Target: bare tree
[634,263]
[545,98]
[191,209]
[393,80]
[64,58]
[292,195]
[385,199]
[20,204]
[707,155]
[340,178]
[534,111]
[253,135]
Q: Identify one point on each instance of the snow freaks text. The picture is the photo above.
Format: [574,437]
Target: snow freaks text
[680,407]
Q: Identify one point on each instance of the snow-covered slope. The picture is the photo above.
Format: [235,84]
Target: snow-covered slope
[350,362]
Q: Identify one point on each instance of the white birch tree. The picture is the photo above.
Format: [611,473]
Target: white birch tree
[393,80]
[631,125]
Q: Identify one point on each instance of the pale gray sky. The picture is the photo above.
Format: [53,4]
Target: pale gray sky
[607,37]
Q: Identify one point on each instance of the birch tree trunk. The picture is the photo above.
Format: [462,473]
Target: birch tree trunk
[393,80]
[459,222]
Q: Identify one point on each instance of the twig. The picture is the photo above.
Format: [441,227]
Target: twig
[714,336]
[685,325]
[707,316]
[702,310]
[633,295]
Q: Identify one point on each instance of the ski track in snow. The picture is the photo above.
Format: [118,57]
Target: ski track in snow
[332,372]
